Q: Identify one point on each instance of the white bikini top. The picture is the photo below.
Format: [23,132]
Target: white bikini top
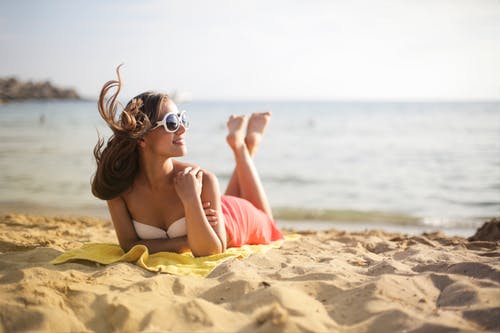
[146,231]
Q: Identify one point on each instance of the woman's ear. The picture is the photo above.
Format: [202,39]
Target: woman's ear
[142,143]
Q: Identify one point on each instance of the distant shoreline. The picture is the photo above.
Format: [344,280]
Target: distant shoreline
[13,90]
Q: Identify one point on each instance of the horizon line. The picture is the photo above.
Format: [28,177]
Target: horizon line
[329,100]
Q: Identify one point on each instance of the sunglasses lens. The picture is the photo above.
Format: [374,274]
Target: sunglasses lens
[185,120]
[172,122]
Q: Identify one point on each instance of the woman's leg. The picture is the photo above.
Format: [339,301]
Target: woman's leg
[245,181]
[255,130]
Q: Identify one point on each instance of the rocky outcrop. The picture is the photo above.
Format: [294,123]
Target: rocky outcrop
[489,231]
[11,89]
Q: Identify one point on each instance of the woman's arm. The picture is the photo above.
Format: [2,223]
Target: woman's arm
[127,237]
[202,238]
[211,193]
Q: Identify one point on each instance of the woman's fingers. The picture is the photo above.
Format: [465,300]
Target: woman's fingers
[190,170]
[210,212]
[213,220]
[179,175]
[196,172]
[193,171]
[212,216]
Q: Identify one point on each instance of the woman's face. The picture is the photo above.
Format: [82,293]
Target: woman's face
[161,142]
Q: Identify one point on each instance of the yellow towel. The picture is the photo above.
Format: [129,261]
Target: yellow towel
[164,262]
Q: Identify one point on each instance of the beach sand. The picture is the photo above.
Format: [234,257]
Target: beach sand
[328,281]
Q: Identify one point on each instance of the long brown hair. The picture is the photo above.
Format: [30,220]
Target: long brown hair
[118,160]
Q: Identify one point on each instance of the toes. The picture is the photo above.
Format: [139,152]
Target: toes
[236,117]
[265,113]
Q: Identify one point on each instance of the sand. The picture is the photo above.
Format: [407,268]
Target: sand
[329,281]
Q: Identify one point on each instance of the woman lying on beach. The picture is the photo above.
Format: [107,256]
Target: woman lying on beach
[168,205]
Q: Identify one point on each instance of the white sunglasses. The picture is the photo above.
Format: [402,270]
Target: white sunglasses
[172,121]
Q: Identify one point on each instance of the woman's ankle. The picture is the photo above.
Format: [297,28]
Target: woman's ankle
[240,149]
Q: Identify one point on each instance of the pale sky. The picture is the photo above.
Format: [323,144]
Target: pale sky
[266,50]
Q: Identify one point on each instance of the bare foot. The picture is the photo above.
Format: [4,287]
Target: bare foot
[255,131]
[236,127]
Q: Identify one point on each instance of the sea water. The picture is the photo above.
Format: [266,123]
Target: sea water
[398,166]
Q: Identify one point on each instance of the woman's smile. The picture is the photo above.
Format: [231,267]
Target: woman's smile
[179,141]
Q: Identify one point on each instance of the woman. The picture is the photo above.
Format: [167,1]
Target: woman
[168,205]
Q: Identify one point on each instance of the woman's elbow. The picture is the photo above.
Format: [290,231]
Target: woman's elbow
[127,245]
[218,249]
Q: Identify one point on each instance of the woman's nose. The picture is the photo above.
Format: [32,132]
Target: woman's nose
[181,130]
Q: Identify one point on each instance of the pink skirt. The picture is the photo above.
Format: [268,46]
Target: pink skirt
[245,224]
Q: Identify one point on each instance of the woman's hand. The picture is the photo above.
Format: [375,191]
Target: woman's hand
[211,214]
[188,183]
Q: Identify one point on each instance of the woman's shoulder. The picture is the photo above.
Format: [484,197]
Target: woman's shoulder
[208,176]
[180,165]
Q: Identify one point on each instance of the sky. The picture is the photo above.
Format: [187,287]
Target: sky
[259,50]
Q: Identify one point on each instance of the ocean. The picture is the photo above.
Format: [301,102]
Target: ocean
[399,166]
